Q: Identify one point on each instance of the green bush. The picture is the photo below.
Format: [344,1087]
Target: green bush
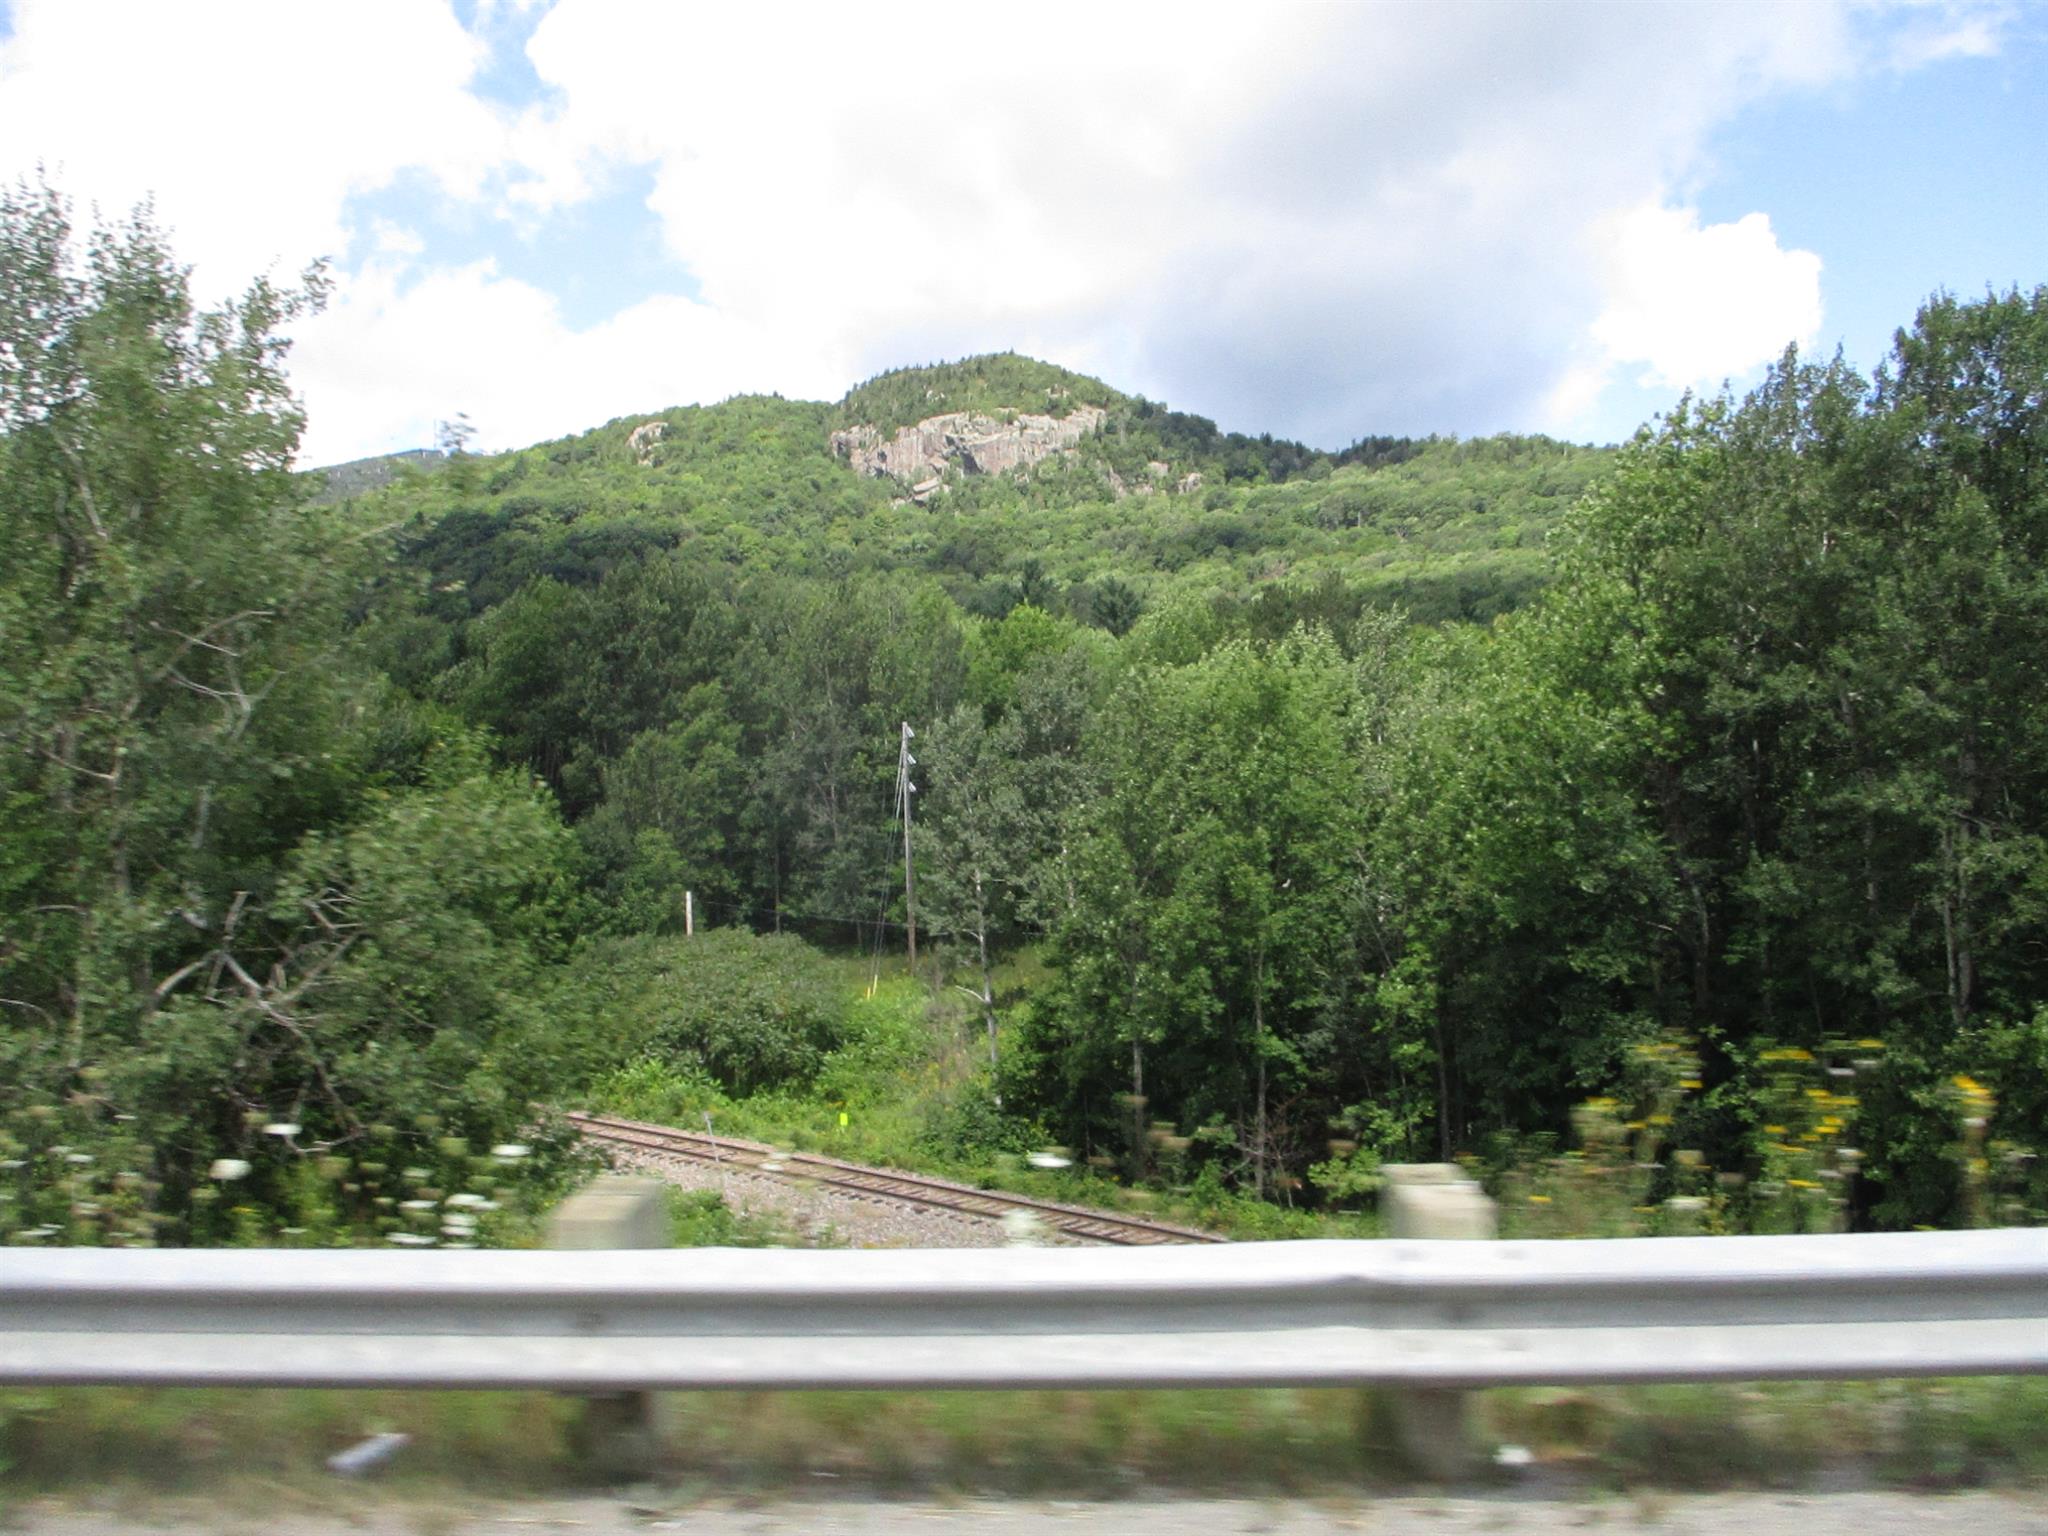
[971,1127]
[753,1011]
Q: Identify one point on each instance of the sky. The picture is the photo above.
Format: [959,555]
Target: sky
[1320,221]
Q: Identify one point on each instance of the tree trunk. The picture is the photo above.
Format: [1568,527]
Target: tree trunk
[1443,1085]
[1955,923]
[1137,1107]
[1260,1146]
[988,991]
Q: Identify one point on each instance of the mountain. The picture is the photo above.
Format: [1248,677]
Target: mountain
[338,482]
[993,474]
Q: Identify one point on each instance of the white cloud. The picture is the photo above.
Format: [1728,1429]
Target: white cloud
[390,357]
[248,121]
[1327,220]
[1322,220]
[1932,30]
[1696,305]
[395,239]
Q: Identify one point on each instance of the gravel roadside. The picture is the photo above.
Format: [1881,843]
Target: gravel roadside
[1726,1514]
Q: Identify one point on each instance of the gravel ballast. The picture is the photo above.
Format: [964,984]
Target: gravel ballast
[821,1216]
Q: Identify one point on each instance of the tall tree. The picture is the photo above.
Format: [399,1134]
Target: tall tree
[166,609]
[243,883]
[1835,598]
[1205,959]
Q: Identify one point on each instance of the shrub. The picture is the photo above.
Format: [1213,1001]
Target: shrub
[753,1011]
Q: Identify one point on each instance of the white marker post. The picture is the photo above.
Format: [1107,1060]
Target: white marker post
[1434,1201]
[620,1435]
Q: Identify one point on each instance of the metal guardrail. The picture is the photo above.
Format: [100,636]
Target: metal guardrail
[1435,1314]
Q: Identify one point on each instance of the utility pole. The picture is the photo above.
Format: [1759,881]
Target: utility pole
[904,790]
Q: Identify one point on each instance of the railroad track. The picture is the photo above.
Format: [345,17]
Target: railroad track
[881,1183]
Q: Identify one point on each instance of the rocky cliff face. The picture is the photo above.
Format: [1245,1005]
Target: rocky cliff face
[919,456]
[642,440]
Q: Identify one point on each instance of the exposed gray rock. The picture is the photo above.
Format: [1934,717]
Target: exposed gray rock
[643,438]
[965,442]
[1155,476]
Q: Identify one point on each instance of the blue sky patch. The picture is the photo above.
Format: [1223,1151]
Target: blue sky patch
[508,78]
[595,258]
[1869,177]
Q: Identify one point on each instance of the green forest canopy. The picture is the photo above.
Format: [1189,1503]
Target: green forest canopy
[1386,803]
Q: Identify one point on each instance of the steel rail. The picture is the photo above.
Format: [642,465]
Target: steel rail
[884,1183]
[1437,1314]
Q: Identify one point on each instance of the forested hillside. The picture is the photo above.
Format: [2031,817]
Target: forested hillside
[1155,505]
[1434,798]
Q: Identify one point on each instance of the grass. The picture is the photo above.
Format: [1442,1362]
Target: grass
[271,1445]
[1908,1434]
[700,1218]
[176,1440]
[908,1089]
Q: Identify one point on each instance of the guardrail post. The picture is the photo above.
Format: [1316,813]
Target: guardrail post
[620,1435]
[1432,1425]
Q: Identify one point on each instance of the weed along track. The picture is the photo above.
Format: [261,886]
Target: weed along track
[880,1184]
